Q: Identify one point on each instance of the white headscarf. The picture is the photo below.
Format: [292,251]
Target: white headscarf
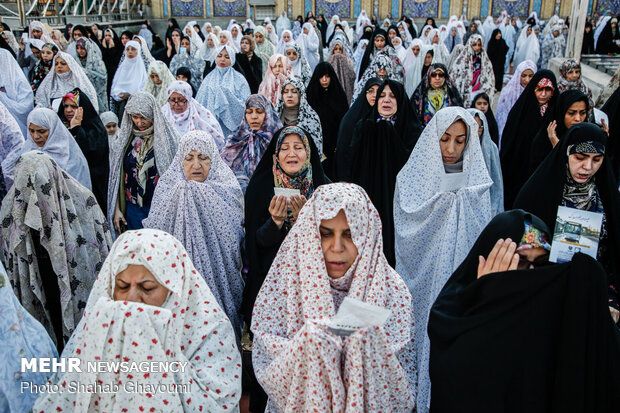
[159,92]
[237,39]
[362,21]
[46,36]
[193,36]
[131,75]
[332,26]
[283,23]
[165,140]
[188,327]
[207,217]
[491,159]
[60,145]
[527,48]
[298,361]
[17,95]
[309,44]
[229,41]
[413,73]
[223,92]
[48,207]
[272,35]
[11,142]
[206,52]
[282,44]
[195,117]
[442,215]
[56,85]
[400,50]
[488,26]
[204,29]
[146,34]
[510,94]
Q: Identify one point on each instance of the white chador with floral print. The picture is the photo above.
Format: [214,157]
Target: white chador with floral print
[189,327]
[300,363]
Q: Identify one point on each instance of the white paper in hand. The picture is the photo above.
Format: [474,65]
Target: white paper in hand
[287,192]
[354,315]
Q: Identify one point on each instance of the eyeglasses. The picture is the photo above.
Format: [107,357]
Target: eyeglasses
[177,102]
[438,74]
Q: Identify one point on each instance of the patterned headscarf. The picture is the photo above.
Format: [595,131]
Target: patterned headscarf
[207,217]
[472,73]
[188,326]
[564,84]
[297,360]
[307,118]
[165,139]
[22,337]
[195,117]
[42,68]
[533,238]
[223,92]
[302,179]
[245,147]
[159,92]
[57,85]
[271,86]
[69,226]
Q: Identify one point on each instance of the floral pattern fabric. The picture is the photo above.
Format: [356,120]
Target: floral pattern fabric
[298,361]
[21,335]
[189,327]
[70,227]
[444,223]
[307,119]
[472,73]
[55,86]
[165,139]
[195,117]
[95,71]
[207,217]
[245,147]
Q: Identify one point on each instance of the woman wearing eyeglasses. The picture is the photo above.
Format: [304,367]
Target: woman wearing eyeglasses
[435,92]
[523,329]
[185,114]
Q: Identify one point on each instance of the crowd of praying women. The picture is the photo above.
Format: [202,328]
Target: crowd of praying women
[312,216]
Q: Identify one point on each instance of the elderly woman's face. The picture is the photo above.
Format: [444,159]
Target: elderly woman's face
[292,154]
[177,102]
[61,66]
[137,284]
[286,37]
[387,105]
[196,166]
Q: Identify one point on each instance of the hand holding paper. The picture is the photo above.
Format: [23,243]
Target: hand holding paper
[354,315]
